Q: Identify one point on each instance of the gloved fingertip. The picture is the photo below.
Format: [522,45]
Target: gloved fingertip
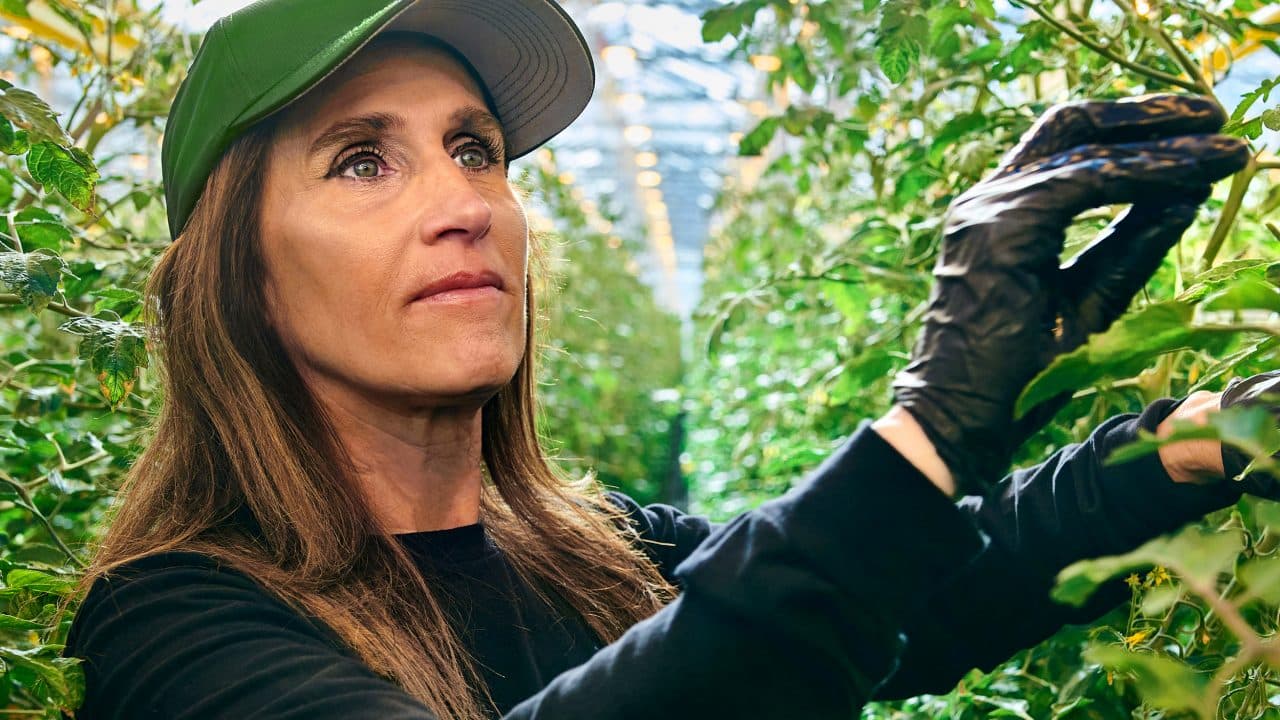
[1222,156]
[1160,114]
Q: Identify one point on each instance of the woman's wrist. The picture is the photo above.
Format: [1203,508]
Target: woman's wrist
[1192,461]
[900,429]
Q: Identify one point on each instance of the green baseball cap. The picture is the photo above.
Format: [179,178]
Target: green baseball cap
[529,54]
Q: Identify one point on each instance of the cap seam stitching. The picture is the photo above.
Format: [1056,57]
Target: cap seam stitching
[235,63]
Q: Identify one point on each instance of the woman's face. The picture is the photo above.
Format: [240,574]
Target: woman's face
[385,179]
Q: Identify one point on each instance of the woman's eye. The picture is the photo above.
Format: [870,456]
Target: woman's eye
[364,163]
[473,158]
[366,168]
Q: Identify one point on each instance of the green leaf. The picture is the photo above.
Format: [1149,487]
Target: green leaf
[62,676]
[797,67]
[116,352]
[945,18]
[896,57]
[1266,513]
[1247,292]
[729,19]
[911,184]
[754,142]
[15,7]
[1271,118]
[37,581]
[1251,129]
[873,364]
[1224,273]
[34,276]
[38,228]
[1077,582]
[1007,707]
[985,53]
[1261,575]
[11,623]
[26,110]
[141,199]
[1198,552]
[901,35]
[850,298]
[69,170]
[6,187]
[1157,601]
[1127,347]
[985,8]
[121,301]
[12,140]
[798,120]
[1162,681]
[1262,92]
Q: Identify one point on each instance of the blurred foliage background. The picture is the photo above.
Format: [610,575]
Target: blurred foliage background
[815,281]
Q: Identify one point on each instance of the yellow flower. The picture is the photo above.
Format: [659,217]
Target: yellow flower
[1158,575]
[1132,641]
[1133,581]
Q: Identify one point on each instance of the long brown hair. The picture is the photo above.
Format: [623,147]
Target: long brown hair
[244,467]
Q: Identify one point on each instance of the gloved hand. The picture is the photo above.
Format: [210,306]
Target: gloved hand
[1259,390]
[1002,307]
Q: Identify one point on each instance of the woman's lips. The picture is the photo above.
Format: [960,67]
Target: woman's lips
[462,295]
[463,286]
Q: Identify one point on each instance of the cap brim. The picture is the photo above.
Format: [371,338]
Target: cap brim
[531,57]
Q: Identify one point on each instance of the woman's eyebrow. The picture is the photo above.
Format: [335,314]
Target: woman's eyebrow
[475,119]
[351,130]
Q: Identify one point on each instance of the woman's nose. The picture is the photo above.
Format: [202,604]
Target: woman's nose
[455,208]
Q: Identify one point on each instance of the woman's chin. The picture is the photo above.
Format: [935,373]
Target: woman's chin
[474,388]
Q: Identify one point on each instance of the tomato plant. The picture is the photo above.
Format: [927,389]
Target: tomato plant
[884,111]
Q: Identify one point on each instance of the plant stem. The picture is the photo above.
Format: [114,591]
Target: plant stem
[30,506]
[1106,52]
[13,231]
[68,466]
[1239,184]
[13,299]
[1189,66]
[87,121]
[1251,646]
[13,373]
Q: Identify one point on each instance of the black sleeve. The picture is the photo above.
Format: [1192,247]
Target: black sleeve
[791,610]
[1041,519]
[666,533]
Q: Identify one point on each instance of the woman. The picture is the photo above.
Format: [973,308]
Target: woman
[345,512]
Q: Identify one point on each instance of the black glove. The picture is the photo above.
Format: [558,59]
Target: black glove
[1002,307]
[1259,390]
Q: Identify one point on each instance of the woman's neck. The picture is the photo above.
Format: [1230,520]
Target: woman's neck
[420,466]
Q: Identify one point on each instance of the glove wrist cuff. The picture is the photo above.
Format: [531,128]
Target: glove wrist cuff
[975,466]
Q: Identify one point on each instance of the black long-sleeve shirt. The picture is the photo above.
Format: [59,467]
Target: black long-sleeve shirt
[864,583]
